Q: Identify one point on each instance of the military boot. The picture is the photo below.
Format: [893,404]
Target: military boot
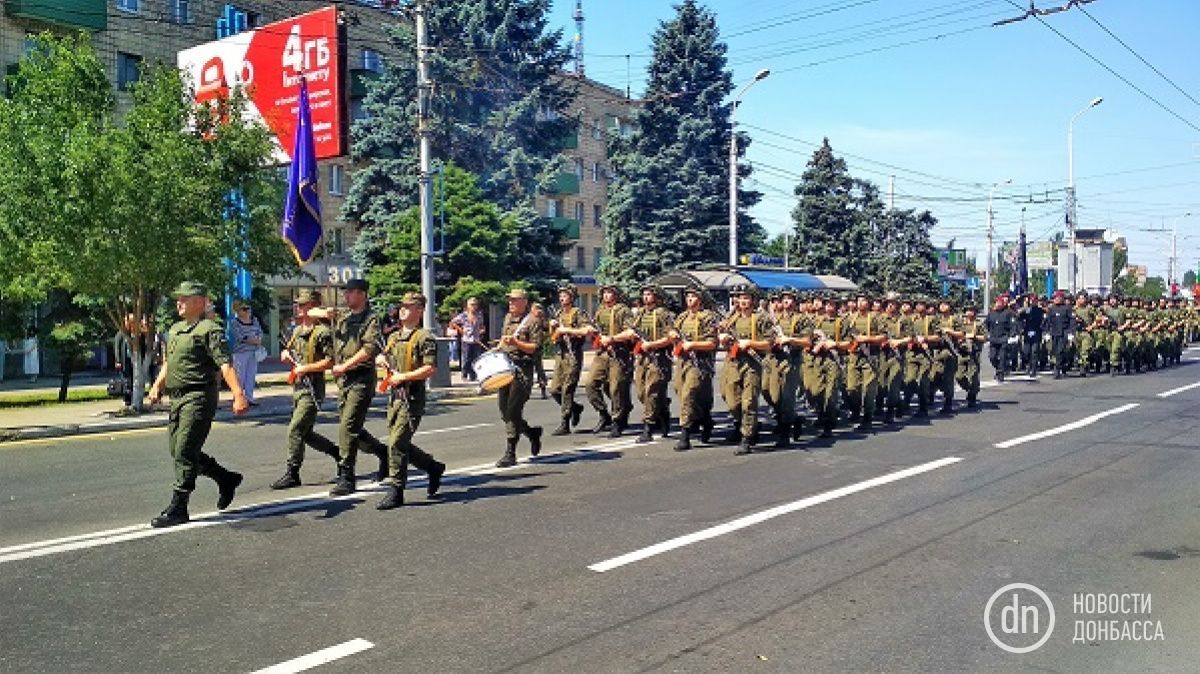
[827,428]
[435,478]
[576,410]
[176,513]
[384,470]
[684,442]
[706,429]
[344,483]
[782,435]
[744,447]
[645,435]
[291,478]
[564,428]
[664,419]
[227,483]
[618,428]
[604,424]
[535,439]
[797,429]
[510,455]
[393,499]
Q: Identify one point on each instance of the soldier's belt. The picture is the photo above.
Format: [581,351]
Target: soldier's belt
[194,388]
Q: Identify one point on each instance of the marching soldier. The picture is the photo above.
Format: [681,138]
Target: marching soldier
[1060,325]
[652,373]
[867,333]
[196,355]
[948,354]
[1116,335]
[747,334]
[567,332]
[1085,319]
[695,337]
[900,333]
[1032,323]
[612,368]
[1100,334]
[919,368]
[793,328]
[310,352]
[972,335]
[409,358]
[1002,334]
[827,367]
[521,339]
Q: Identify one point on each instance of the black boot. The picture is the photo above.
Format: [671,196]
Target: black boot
[175,514]
[664,419]
[744,448]
[435,478]
[618,428]
[797,429]
[706,429]
[783,433]
[384,470]
[889,416]
[827,428]
[291,478]
[393,499]
[604,424]
[684,442]
[227,483]
[564,428]
[535,439]
[344,483]
[645,435]
[576,410]
[510,455]
[863,426]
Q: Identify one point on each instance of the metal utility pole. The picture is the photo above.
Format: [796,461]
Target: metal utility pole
[1071,257]
[987,270]
[733,176]
[424,95]
[1022,259]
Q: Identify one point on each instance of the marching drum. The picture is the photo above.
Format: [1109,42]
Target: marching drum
[494,369]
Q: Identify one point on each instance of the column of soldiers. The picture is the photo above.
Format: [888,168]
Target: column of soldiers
[820,351]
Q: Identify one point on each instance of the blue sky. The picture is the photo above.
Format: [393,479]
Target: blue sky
[953,115]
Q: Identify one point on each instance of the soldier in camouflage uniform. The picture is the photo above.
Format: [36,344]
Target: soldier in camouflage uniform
[891,369]
[652,372]
[567,332]
[695,337]
[919,365]
[310,352]
[947,355]
[612,367]
[866,333]
[196,355]
[792,325]
[747,334]
[1115,316]
[827,335]
[971,335]
[520,338]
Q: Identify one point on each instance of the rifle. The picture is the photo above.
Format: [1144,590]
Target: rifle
[832,351]
[856,348]
[293,376]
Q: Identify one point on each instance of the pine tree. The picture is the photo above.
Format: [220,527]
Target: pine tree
[830,236]
[498,111]
[668,203]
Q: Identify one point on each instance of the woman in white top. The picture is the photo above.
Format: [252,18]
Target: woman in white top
[247,336]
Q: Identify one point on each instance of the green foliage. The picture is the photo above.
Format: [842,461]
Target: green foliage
[776,246]
[668,202]
[1189,278]
[497,65]
[465,287]
[1120,262]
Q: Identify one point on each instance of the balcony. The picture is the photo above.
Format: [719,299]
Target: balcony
[568,227]
[81,14]
[564,183]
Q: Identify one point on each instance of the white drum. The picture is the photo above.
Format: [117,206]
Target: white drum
[495,370]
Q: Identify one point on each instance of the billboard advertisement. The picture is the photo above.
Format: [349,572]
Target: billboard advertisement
[952,264]
[269,62]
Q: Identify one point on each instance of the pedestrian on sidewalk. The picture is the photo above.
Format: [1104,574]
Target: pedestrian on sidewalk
[470,328]
[33,360]
[197,354]
[247,337]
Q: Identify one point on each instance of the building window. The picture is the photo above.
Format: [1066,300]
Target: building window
[339,243]
[580,255]
[596,172]
[597,130]
[128,5]
[579,211]
[579,169]
[597,211]
[179,11]
[336,173]
[371,61]
[596,253]
[545,113]
[357,111]
[554,208]
[128,70]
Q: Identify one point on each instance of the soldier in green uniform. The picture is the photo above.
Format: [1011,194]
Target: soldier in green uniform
[568,330]
[1085,322]
[356,342]
[612,367]
[827,335]
[946,355]
[747,334]
[409,358]
[1116,335]
[891,368]
[695,338]
[919,368]
[520,338]
[310,352]
[866,333]
[652,372]
[1100,334]
[791,325]
[772,385]
[197,354]
[971,335]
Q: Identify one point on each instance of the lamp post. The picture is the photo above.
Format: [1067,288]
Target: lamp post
[733,177]
[1173,266]
[987,270]
[1071,190]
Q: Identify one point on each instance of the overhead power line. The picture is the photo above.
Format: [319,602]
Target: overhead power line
[1139,56]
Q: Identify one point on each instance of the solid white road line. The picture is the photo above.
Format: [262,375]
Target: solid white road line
[763,516]
[1181,389]
[268,508]
[318,658]
[1074,425]
[452,428]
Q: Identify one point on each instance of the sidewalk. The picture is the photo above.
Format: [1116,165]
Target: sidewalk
[272,394]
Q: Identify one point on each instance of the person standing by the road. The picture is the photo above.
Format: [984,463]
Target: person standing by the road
[521,339]
[612,366]
[1060,325]
[246,333]
[1002,334]
[1032,322]
[652,373]
[197,354]
[539,365]
[471,330]
[567,332]
[410,358]
[695,335]
[747,334]
[309,350]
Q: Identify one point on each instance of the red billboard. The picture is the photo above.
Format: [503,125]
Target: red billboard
[269,62]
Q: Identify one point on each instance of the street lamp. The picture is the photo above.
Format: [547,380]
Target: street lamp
[987,270]
[1172,268]
[733,178]
[1071,186]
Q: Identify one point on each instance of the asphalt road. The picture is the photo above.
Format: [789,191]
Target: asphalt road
[867,553]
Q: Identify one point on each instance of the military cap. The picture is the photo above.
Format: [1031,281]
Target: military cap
[413,298]
[694,289]
[743,289]
[517,294]
[190,288]
[358,284]
[569,288]
[788,291]
[654,288]
[610,286]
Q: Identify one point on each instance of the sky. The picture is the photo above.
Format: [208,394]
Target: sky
[928,91]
